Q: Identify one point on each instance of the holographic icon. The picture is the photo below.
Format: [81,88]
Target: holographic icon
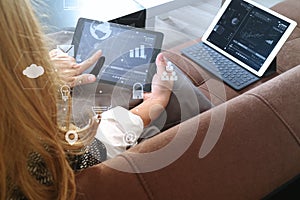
[65,48]
[137,91]
[65,91]
[71,137]
[98,110]
[100,30]
[71,4]
[174,76]
[169,69]
[138,52]
[130,138]
[165,76]
[33,71]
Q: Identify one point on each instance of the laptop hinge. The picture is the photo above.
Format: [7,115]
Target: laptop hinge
[271,69]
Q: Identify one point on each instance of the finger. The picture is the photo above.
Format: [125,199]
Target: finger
[53,53]
[84,79]
[161,63]
[67,71]
[62,57]
[64,65]
[158,81]
[90,61]
[69,80]
[56,53]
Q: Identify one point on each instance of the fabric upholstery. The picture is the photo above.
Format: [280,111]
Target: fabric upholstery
[257,151]
[289,57]
[243,148]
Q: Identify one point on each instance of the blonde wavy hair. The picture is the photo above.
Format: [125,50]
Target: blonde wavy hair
[28,117]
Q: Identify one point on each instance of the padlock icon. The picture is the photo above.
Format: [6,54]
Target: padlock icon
[137,91]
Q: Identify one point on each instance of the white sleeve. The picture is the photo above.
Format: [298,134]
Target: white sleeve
[118,129]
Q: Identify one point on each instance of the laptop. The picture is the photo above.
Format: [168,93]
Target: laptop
[241,42]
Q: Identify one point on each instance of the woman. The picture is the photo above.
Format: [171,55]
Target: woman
[34,150]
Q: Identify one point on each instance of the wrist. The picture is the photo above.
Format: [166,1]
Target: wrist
[151,108]
[161,100]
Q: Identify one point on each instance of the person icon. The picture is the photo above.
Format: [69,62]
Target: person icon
[174,76]
[169,73]
[169,67]
[165,76]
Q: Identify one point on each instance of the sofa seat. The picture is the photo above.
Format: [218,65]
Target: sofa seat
[242,149]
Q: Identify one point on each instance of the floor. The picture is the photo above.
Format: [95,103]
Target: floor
[190,22]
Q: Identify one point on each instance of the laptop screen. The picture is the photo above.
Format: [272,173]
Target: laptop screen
[249,33]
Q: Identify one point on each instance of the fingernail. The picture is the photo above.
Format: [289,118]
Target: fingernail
[91,78]
[165,59]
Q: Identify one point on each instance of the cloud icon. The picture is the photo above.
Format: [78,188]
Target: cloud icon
[33,71]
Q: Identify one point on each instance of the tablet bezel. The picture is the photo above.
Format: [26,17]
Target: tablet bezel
[273,53]
[156,50]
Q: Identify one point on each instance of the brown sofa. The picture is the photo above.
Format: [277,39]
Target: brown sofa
[244,148]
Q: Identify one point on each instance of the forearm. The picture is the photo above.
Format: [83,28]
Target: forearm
[150,109]
[155,102]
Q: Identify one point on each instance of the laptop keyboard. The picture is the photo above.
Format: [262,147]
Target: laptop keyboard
[225,69]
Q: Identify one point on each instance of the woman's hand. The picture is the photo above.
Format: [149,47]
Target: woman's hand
[155,102]
[69,71]
[161,88]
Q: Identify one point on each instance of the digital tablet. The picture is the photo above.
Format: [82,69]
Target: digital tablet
[128,53]
[249,34]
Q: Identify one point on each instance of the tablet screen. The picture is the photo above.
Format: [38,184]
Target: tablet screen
[129,52]
[249,34]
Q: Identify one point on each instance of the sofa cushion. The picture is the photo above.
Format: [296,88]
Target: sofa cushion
[241,149]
